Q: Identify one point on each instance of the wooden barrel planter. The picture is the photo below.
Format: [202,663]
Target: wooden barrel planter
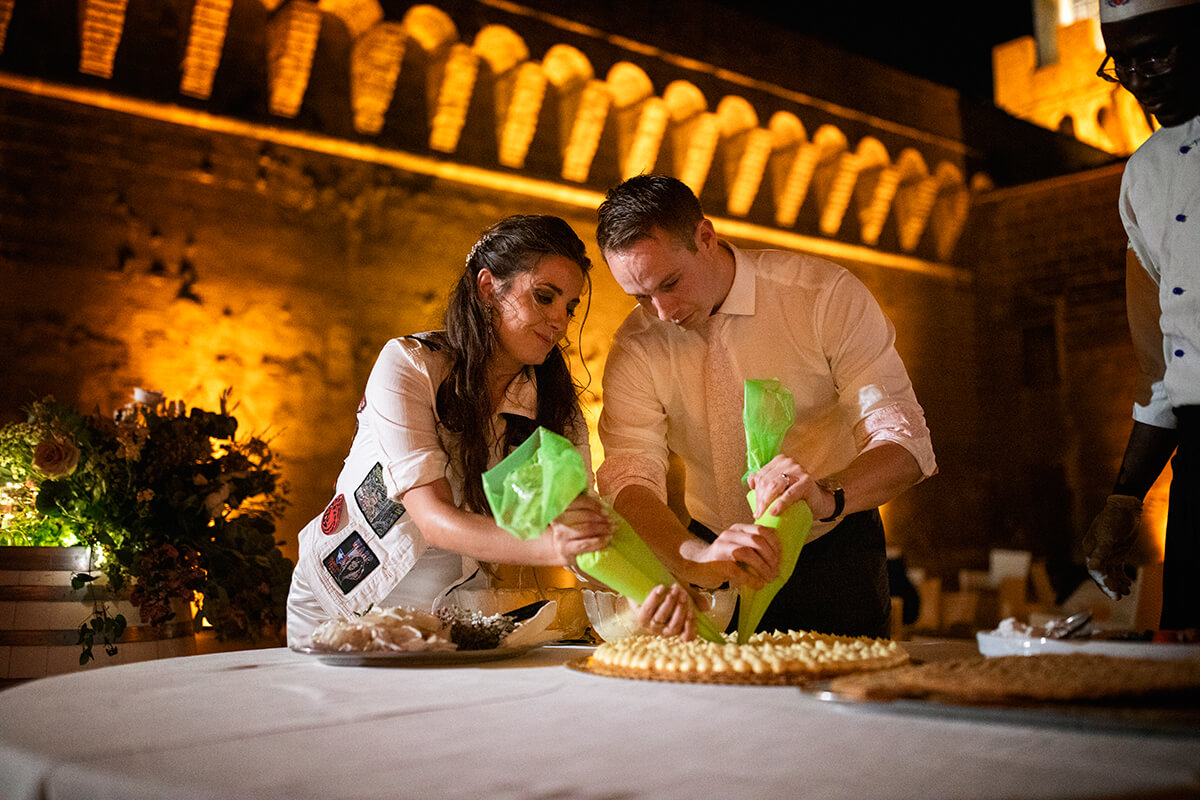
[40,615]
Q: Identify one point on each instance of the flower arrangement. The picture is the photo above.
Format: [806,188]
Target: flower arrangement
[173,503]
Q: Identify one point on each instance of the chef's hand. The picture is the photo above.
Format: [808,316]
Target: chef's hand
[1108,542]
[668,611]
[583,527]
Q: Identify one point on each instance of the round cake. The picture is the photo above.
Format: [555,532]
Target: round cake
[777,658]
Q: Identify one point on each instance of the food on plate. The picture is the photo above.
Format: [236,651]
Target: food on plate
[405,629]
[1018,680]
[766,658]
[1068,635]
[474,630]
[1076,626]
[384,629]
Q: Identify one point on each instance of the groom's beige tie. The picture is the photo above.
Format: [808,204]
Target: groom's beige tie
[724,397]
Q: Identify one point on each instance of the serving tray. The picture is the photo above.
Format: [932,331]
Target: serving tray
[1176,717]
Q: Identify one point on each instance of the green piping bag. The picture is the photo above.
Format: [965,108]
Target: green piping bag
[768,413]
[537,481]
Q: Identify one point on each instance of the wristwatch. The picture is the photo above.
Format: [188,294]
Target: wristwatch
[834,487]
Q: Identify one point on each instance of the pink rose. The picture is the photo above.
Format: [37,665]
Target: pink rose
[55,458]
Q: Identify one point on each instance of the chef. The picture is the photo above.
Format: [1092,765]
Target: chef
[1153,50]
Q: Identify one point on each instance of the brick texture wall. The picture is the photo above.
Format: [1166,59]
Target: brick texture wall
[1056,372]
[135,253]
[141,253]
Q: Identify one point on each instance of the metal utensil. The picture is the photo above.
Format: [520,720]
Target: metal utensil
[1068,627]
[525,612]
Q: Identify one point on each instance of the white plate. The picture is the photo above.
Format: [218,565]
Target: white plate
[412,658]
[991,644]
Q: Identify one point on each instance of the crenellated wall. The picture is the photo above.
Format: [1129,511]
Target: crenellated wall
[1067,95]
[749,144]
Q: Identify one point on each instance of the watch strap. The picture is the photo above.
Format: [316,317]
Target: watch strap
[839,498]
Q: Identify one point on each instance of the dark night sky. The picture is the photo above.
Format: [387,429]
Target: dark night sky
[946,41]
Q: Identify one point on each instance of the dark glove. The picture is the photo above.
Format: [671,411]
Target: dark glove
[1108,542]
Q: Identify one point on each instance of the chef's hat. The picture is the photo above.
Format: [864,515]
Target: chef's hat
[1117,10]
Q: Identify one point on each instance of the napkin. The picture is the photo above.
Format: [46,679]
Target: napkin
[535,629]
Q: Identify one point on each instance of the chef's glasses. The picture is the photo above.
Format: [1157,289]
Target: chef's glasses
[1154,67]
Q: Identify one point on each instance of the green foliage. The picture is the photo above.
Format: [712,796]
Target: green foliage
[175,504]
[109,629]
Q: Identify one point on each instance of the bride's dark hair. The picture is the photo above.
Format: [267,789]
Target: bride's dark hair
[507,249]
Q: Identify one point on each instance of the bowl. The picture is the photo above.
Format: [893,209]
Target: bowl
[612,616]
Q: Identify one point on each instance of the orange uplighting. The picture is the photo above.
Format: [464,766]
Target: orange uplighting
[1063,93]
[1154,518]
[204,623]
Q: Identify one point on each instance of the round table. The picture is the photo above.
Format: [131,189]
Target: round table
[275,723]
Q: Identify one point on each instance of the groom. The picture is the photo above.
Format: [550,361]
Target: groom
[709,316]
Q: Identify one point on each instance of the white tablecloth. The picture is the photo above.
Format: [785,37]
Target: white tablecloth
[272,723]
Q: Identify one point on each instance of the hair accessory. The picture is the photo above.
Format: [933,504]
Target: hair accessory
[478,246]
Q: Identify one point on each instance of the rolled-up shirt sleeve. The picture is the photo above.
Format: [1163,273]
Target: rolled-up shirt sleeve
[1151,404]
[400,414]
[633,425]
[872,383]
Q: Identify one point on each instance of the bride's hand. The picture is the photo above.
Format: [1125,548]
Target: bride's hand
[583,527]
[668,611]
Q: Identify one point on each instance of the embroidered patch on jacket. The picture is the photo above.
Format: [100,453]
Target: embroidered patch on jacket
[350,562]
[334,516]
[372,497]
